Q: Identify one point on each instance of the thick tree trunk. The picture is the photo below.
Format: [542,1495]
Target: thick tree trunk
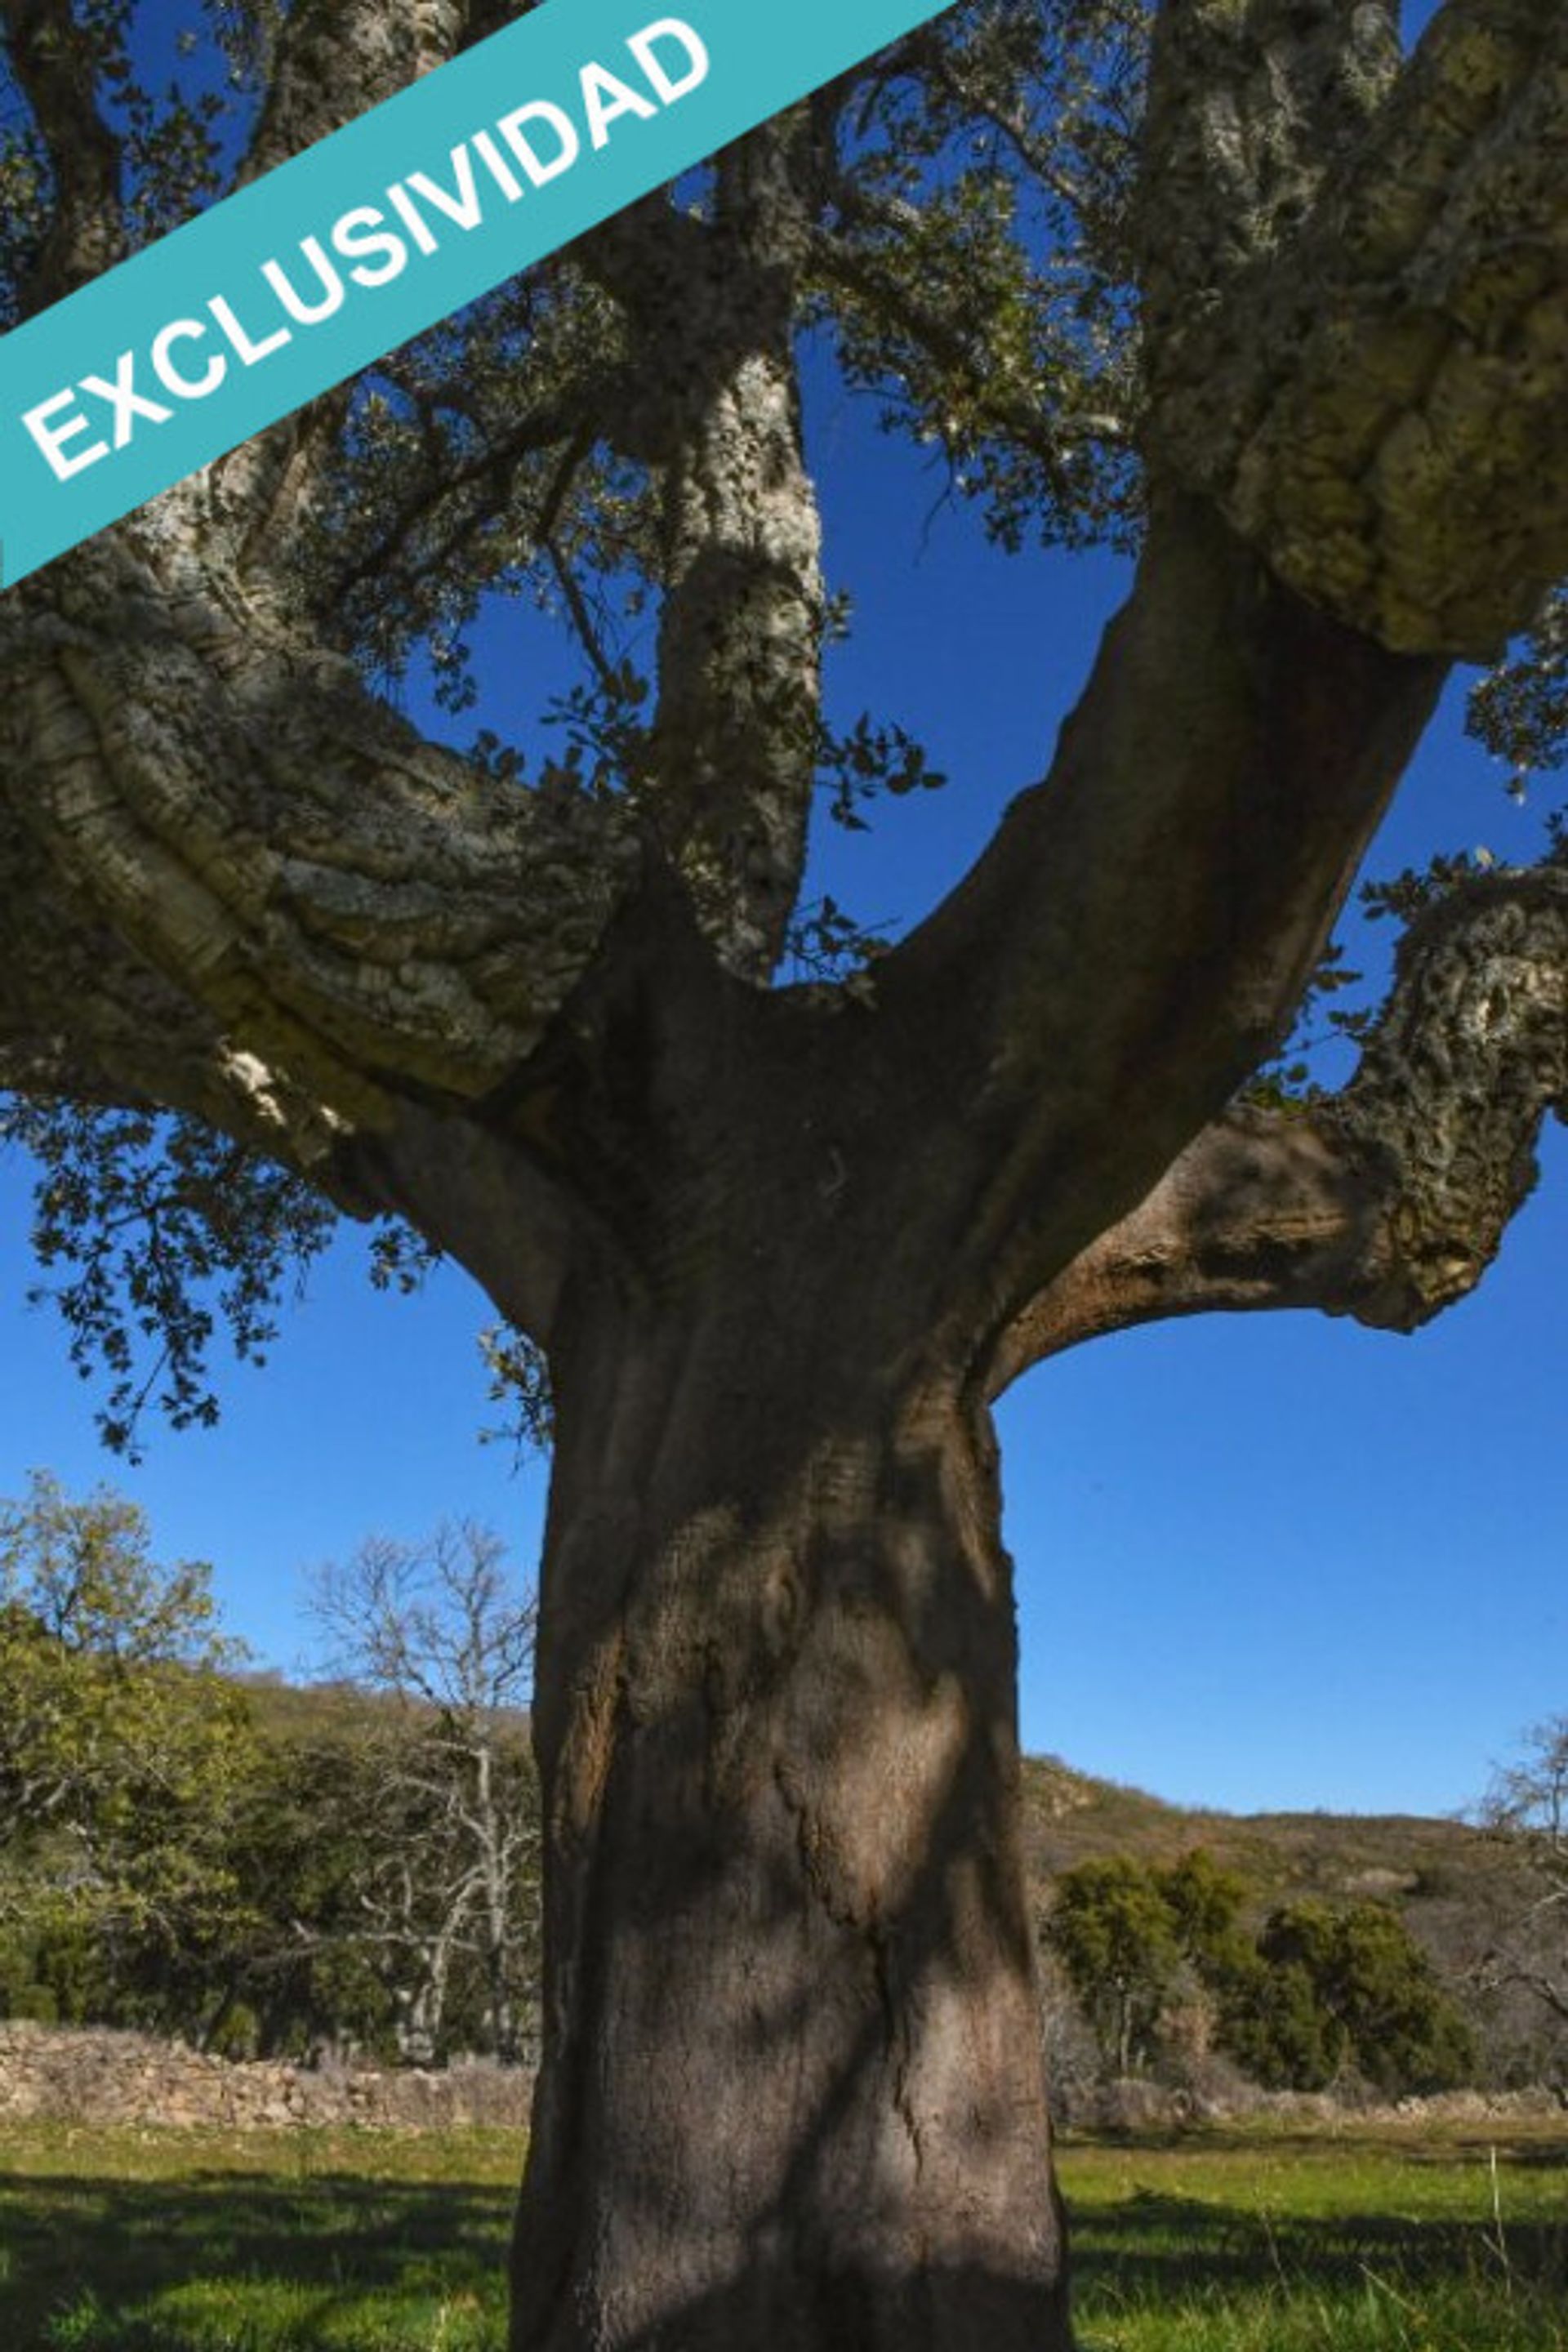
[792,2093]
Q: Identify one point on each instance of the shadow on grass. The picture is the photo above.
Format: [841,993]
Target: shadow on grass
[1154,2245]
[330,2237]
[1545,2150]
[331,2259]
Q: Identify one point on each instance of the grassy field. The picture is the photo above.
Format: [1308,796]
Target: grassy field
[341,2242]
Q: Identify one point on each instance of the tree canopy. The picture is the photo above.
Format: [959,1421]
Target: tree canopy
[120,1752]
[987,230]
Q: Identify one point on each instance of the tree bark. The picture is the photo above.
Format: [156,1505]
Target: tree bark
[1386,1201]
[792,2092]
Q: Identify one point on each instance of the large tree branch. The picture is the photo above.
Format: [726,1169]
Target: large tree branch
[365,909]
[365,934]
[1246,722]
[85,1019]
[331,62]
[1387,1202]
[335,59]
[710,311]
[57,67]
[1375,399]
[1143,923]
[1249,108]
[247,890]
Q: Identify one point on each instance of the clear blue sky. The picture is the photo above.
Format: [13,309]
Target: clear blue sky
[1262,1562]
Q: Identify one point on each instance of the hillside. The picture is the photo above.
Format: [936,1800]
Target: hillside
[1461,1896]
[1408,1859]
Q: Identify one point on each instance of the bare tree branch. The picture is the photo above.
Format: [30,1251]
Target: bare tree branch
[443,1634]
[712,316]
[1526,1813]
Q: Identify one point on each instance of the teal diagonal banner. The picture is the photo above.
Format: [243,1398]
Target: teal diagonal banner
[369,237]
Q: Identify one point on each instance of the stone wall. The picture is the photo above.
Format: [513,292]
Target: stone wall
[98,2077]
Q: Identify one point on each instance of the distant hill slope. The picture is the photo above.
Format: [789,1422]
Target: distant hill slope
[1409,1859]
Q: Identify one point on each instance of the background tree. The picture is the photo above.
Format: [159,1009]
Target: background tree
[1527,1812]
[1274,306]
[301,1972]
[351,1867]
[124,1753]
[447,1879]
[1349,1992]
[1113,1930]
[1322,1992]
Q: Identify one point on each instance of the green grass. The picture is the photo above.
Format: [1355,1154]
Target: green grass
[254,2241]
[1260,2241]
[1267,2241]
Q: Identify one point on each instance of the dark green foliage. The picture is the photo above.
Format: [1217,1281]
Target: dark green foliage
[299,1977]
[1360,1999]
[122,1751]
[1278,2033]
[1519,710]
[519,1386]
[1323,1993]
[976,275]
[1205,1903]
[155,1232]
[1118,1938]
[330,1877]
[867,760]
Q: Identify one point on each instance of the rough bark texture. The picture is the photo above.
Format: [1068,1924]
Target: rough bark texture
[781,1772]
[791,2090]
[1387,1202]
[781,1246]
[233,805]
[740,629]
[1374,399]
